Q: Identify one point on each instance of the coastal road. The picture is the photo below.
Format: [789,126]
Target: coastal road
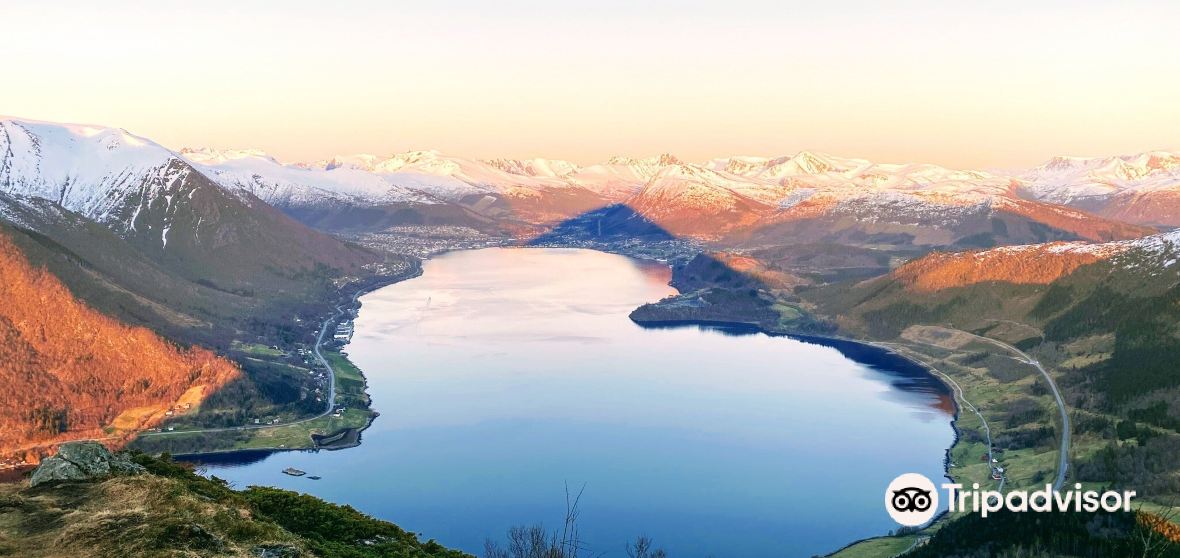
[961,396]
[987,431]
[327,407]
[1063,453]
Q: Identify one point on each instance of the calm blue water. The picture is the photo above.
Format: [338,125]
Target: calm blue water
[502,375]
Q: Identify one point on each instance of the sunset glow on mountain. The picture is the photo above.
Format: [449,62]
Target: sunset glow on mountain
[655,279]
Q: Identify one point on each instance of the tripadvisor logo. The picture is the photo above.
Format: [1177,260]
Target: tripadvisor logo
[911,500]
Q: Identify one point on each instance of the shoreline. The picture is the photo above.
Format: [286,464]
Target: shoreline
[354,304]
[835,342]
[344,302]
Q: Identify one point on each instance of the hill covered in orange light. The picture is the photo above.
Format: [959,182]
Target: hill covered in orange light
[73,373]
[1023,265]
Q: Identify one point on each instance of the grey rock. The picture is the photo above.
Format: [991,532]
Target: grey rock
[56,469]
[82,461]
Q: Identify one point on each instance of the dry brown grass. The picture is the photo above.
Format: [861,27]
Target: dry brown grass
[146,516]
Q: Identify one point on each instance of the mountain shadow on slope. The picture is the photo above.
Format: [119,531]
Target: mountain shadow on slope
[612,222]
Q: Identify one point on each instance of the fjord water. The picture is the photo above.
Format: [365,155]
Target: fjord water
[502,375]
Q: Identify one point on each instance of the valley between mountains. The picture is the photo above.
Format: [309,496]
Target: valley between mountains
[169,298]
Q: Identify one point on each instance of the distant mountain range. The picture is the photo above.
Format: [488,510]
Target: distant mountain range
[225,226]
[809,196]
[112,177]
[1142,189]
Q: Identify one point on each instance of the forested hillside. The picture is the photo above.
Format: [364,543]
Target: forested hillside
[1101,318]
[71,372]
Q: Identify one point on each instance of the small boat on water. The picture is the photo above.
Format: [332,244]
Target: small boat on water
[314,477]
[294,472]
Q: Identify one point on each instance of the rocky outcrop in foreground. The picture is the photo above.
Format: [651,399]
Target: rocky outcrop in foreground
[170,510]
[83,461]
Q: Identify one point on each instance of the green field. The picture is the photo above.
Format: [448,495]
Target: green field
[256,349]
[350,382]
[880,547]
[350,393]
[298,436]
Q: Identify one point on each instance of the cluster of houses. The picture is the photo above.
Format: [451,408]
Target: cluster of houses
[997,470]
[343,331]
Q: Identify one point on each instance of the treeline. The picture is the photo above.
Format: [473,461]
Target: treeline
[1146,342]
[1147,467]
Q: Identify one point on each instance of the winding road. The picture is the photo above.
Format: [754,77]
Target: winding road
[961,396]
[331,400]
[1063,453]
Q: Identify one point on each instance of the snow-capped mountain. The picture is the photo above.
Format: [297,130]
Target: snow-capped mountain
[456,178]
[1142,188]
[551,168]
[156,202]
[106,174]
[260,174]
[706,200]
[695,201]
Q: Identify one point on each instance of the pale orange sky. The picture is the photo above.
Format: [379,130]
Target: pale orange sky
[996,84]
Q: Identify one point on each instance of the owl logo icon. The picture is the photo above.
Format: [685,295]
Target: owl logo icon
[911,500]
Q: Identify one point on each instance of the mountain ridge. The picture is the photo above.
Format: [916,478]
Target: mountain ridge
[705,200]
[778,183]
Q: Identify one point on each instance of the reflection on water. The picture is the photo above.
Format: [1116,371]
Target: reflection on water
[503,374]
[904,375]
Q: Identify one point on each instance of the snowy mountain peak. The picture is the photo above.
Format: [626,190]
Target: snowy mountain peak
[341,179]
[363,161]
[812,163]
[1125,167]
[213,156]
[93,170]
[79,137]
[1141,188]
[621,160]
[666,159]
[552,168]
